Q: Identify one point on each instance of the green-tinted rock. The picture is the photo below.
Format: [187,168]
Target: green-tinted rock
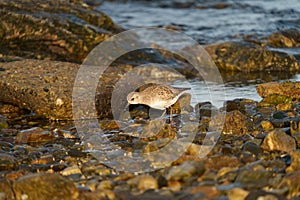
[3,122]
[274,99]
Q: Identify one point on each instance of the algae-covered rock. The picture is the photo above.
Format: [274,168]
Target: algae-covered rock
[289,89]
[247,57]
[285,38]
[237,123]
[274,99]
[56,30]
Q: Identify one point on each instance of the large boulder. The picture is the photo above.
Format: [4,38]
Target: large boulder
[247,57]
[56,30]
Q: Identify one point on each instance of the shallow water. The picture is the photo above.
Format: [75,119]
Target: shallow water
[210,22]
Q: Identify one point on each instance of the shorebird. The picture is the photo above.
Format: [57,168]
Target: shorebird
[157,96]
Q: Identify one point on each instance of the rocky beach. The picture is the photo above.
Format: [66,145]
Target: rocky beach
[252,145]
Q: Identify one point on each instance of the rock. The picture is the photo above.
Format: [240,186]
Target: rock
[210,191]
[278,140]
[24,83]
[174,186]
[285,38]
[237,194]
[264,195]
[247,57]
[295,126]
[143,182]
[34,135]
[280,119]
[185,171]
[7,162]
[253,177]
[46,88]
[288,89]
[284,106]
[266,125]
[50,83]
[295,161]
[291,183]
[6,190]
[8,108]
[274,100]
[71,171]
[64,30]
[216,163]
[252,148]
[45,186]
[3,122]
[205,109]
[237,123]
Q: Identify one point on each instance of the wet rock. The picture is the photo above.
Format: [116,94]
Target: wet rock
[6,146]
[266,125]
[253,177]
[8,108]
[278,140]
[285,38]
[6,190]
[143,182]
[205,109]
[264,195]
[274,100]
[3,122]
[246,57]
[288,89]
[45,87]
[295,126]
[34,135]
[64,30]
[291,183]
[237,194]
[280,119]
[210,191]
[150,194]
[237,123]
[295,161]
[284,106]
[252,148]
[45,186]
[7,161]
[98,194]
[106,184]
[71,171]
[185,171]
[218,162]
[23,84]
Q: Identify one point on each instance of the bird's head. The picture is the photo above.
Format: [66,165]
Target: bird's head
[133,98]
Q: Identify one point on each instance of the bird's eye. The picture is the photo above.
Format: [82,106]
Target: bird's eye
[132,99]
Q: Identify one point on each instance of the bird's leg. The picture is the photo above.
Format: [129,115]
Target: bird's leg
[163,113]
[170,114]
